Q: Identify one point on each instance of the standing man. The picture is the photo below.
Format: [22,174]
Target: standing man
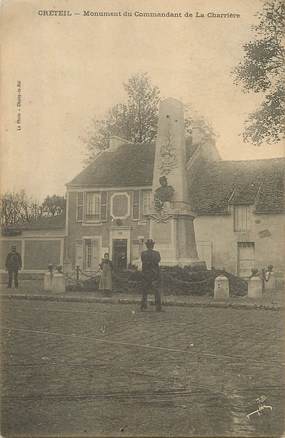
[150,275]
[13,265]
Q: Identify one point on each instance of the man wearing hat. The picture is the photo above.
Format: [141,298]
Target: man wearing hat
[150,275]
[13,265]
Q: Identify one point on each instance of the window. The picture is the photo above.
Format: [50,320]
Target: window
[241,218]
[91,254]
[136,204]
[88,254]
[147,201]
[93,206]
[79,206]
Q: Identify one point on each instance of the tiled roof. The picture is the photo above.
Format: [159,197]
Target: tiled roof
[129,165]
[213,186]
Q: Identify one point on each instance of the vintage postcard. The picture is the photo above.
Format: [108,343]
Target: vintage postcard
[142,218]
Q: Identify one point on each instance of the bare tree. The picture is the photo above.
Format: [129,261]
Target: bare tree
[18,207]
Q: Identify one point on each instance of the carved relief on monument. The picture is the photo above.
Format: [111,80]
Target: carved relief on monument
[167,158]
[162,216]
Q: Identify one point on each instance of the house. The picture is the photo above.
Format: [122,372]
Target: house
[239,207]
[240,213]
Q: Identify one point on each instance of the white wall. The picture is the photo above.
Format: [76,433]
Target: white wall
[267,231]
[34,245]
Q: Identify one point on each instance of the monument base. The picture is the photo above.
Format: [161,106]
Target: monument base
[174,238]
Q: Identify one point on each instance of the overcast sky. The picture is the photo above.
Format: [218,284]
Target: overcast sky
[72,69]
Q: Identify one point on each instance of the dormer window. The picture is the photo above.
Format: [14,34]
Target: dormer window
[241,218]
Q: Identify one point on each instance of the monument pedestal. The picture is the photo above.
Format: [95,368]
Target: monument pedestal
[172,229]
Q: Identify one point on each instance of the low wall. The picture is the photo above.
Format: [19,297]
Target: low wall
[22,276]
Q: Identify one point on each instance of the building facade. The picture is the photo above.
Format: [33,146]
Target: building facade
[239,208]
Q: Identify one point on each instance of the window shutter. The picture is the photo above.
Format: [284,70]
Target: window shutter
[147,201]
[104,197]
[95,254]
[87,254]
[136,204]
[79,206]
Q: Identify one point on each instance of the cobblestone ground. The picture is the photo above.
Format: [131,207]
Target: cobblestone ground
[79,369]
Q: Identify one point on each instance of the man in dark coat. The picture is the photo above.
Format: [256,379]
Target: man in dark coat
[13,265]
[150,275]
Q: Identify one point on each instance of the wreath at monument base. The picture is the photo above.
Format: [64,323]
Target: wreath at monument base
[192,281]
[174,281]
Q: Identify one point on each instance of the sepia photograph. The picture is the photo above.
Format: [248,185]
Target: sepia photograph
[142,242]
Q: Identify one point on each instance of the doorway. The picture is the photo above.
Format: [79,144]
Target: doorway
[246,259]
[120,254]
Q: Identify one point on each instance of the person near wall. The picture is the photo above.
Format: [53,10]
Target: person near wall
[150,275]
[13,265]
[269,272]
[106,274]
[266,275]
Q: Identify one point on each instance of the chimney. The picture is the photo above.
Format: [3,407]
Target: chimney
[115,142]
[198,135]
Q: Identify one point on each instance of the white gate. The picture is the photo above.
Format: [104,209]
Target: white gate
[246,259]
[204,249]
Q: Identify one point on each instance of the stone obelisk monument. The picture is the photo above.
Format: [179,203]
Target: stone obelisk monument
[171,220]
